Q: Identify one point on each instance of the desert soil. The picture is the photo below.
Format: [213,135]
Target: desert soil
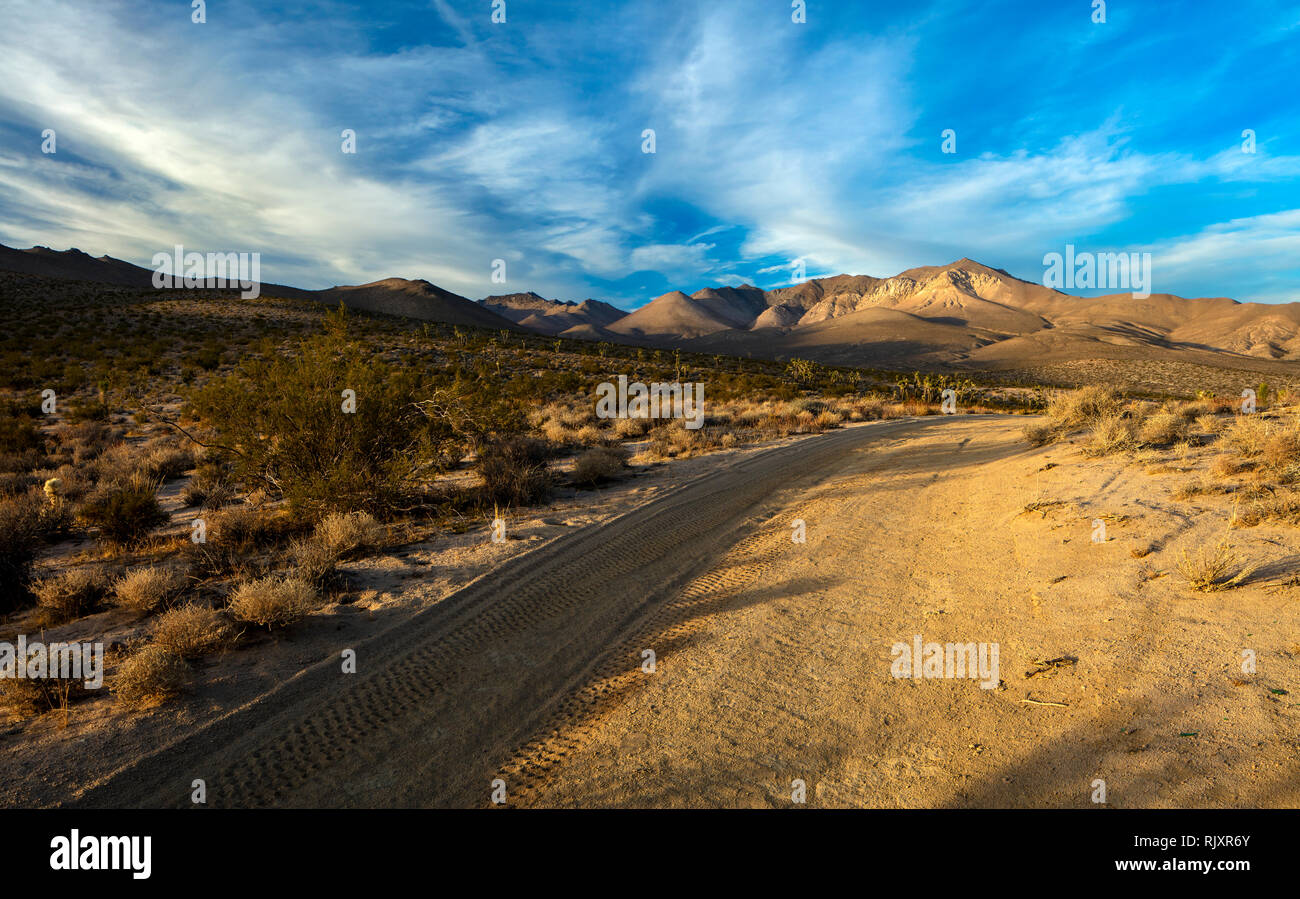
[773,658]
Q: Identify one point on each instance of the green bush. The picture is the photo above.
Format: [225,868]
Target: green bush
[284,424]
[125,514]
[515,472]
[23,524]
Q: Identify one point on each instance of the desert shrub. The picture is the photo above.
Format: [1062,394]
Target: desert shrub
[210,488]
[1074,410]
[1213,568]
[236,541]
[1208,424]
[167,462]
[13,483]
[672,439]
[557,433]
[599,464]
[87,410]
[70,594]
[19,434]
[88,440]
[282,419]
[1111,433]
[1281,506]
[314,562]
[1247,435]
[771,427]
[590,435]
[27,697]
[826,420]
[117,465]
[191,630]
[124,513]
[1080,407]
[631,428]
[1226,466]
[1039,433]
[25,522]
[147,589]
[244,529]
[515,472]
[149,676]
[273,601]
[1162,428]
[344,534]
[1281,454]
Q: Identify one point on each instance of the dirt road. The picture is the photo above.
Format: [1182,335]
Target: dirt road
[772,658]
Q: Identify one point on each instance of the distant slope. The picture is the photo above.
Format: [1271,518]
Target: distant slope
[675,315]
[961,315]
[551,316]
[74,265]
[964,314]
[413,299]
[392,296]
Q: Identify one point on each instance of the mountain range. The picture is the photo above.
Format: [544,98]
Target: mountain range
[961,315]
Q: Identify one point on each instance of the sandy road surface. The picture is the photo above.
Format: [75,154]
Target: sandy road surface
[773,657]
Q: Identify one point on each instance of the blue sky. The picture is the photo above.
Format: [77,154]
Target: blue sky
[775,141]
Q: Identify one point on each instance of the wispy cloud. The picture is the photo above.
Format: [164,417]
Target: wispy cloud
[775,141]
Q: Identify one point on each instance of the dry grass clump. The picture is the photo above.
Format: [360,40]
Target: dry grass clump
[590,435]
[162,463]
[1280,455]
[1281,506]
[26,521]
[1209,424]
[827,420]
[23,697]
[1214,568]
[125,513]
[1040,433]
[556,433]
[236,541]
[1163,427]
[564,424]
[150,676]
[273,601]
[1247,435]
[192,630]
[1111,433]
[1226,466]
[315,559]
[246,529]
[599,464]
[210,488]
[147,589]
[347,533]
[70,594]
[1071,411]
[1077,409]
[314,562]
[27,697]
[515,472]
[673,440]
[631,428]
